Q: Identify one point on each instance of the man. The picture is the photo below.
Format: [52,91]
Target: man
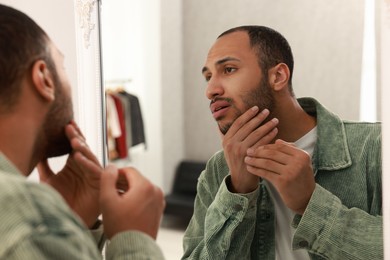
[36,123]
[293,181]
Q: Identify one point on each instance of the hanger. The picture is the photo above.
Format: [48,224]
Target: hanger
[116,85]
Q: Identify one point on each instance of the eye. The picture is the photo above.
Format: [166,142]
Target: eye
[229,70]
[207,77]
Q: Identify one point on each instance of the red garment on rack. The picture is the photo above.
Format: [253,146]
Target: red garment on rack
[121,144]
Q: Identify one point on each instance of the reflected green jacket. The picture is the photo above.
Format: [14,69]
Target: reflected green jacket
[36,223]
[342,220]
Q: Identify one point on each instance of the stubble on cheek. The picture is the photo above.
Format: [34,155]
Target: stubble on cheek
[60,116]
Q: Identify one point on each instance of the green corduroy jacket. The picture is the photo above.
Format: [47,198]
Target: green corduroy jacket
[342,220]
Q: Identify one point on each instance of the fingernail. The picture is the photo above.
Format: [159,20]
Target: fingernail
[275,120]
[250,151]
[265,111]
[255,108]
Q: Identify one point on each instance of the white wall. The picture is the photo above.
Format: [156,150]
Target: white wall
[173,89]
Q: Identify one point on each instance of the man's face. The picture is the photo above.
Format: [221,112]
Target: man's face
[235,80]
[61,112]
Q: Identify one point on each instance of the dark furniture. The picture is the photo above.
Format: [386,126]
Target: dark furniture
[180,202]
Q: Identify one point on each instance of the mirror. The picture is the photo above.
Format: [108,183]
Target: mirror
[155,50]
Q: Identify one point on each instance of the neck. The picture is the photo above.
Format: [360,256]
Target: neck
[294,122]
[20,129]
[16,142]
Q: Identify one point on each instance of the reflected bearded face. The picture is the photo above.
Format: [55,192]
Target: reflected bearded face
[235,80]
[260,96]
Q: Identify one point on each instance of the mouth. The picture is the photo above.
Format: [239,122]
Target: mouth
[219,108]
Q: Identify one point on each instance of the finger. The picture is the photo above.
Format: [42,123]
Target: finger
[130,176]
[44,170]
[246,131]
[256,157]
[278,146]
[282,142]
[271,162]
[71,132]
[264,134]
[108,179]
[136,182]
[242,120]
[268,175]
[77,128]
[87,164]
[78,142]
[82,147]
[121,184]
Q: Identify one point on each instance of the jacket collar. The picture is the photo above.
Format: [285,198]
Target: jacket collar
[7,167]
[331,151]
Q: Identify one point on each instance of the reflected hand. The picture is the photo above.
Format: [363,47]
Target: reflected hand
[244,133]
[139,208]
[289,170]
[79,181]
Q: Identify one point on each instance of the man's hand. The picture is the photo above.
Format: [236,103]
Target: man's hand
[79,181]
[139,208]
[244,133]
[289,170]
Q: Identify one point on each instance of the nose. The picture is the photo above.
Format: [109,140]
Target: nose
[214,88]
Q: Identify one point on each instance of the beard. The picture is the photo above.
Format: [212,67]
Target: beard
[260,96]
[60,114]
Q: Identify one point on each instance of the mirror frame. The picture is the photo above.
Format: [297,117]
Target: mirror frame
[90,94]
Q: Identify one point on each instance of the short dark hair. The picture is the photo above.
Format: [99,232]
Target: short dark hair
[271,47]
[22,42]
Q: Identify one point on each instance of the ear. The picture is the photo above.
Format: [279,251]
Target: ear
[279,76]
[43,81]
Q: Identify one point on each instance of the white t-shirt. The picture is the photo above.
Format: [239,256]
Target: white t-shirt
[284,216]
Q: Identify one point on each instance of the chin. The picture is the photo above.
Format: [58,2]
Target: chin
[224,128]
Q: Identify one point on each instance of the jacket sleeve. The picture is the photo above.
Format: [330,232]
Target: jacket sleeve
[133,245]
[333,231]
[41,241]
[223,224]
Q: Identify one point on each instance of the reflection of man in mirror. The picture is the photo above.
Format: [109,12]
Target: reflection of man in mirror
[293,180]
[60,220]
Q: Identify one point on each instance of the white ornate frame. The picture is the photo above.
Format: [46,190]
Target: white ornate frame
[91,99]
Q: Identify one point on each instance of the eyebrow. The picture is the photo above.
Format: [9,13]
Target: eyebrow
[219,62]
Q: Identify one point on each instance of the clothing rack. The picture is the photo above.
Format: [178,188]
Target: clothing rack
[125,127]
